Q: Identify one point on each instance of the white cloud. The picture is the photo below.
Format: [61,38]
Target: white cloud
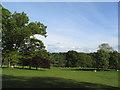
[59,43]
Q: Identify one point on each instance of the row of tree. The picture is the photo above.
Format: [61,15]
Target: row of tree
[102,59]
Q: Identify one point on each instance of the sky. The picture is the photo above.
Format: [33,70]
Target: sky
[79,26]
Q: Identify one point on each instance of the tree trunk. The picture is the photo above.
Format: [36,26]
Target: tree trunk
[29,67]
[9,64]
[22,67]
[36,68]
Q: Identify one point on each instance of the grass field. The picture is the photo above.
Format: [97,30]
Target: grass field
[58,78]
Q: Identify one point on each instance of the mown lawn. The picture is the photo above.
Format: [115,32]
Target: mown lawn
[58,78]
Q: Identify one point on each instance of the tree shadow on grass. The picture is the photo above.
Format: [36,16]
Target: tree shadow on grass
[83,69]
[40,69]
[49,82]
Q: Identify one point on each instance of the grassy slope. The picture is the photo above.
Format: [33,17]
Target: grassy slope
[59,77]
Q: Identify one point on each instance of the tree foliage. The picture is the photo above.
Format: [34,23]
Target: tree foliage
[11,58]
[84,60]
[58,59]
[102,59]
[38,61]
[113,60]
[71,58]
[17,33]
[106,47]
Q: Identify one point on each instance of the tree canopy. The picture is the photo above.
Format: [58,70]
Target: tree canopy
[106,47]
[17,32]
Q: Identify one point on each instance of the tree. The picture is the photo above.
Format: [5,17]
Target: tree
[17,33]
[11,58]
[84,60]
[71,58]
[58,59]
[17,30]
[113,60]
[102,59]
[94,59]
[32,48]
[119,61]
[106,47]
[38,61]
[61,61]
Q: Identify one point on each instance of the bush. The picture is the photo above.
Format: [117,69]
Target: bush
[38,61]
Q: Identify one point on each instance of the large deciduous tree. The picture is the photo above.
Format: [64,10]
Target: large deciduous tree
[106,47]
[71,58]
[102,59]
[84,60]
[17,33]
[58,59]
[38,61]
[113,60]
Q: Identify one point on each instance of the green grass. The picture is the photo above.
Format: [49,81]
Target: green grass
[58,78]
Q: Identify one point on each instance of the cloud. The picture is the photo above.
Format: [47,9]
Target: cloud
[66,49]
[59,43]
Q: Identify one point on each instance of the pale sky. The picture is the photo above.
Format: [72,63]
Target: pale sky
[80,26]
